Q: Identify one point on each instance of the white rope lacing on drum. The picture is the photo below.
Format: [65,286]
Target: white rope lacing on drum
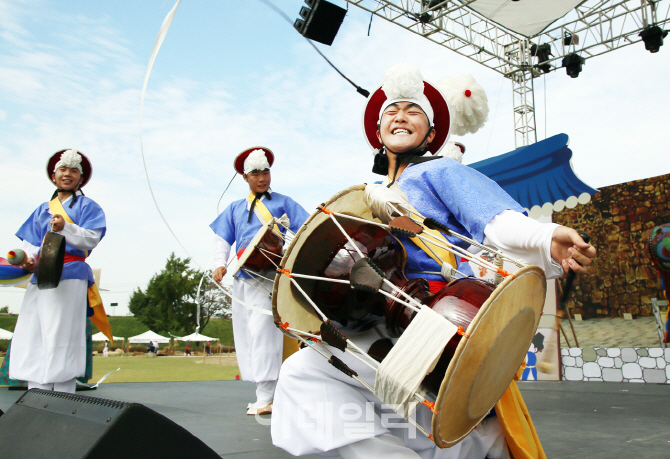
[401,372]
[265,291]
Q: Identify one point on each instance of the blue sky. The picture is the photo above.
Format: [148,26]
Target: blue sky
[234,74]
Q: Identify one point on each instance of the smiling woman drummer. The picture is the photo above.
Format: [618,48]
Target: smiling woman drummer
[49,343]
[320,410]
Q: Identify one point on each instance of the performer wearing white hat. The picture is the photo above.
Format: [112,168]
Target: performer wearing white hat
[320,410]
[49,343]
[258,342]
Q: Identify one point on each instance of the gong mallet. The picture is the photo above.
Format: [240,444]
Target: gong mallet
[16,257]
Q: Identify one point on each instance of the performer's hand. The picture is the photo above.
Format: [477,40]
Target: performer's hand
[57,223]
[29,265]
[380,201]
[219,273]
[570,250]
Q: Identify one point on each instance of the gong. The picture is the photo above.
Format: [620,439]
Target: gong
[52,257]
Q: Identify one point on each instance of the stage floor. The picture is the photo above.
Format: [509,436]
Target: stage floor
[574,419]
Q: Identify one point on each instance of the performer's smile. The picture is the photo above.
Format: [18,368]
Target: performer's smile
[66,178]
[403,126]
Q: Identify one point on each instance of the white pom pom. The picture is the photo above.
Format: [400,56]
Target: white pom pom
[70,158]
[453,151]
[403,81]
[467,101]
[256,161]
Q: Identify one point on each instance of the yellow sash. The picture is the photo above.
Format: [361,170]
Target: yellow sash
[260,210]
[438,253]
[291,345]
[514,418]
[99,317]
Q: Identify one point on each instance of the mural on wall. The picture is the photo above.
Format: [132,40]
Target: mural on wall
[614,300]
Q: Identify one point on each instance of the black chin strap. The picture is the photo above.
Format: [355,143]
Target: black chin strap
[413,156]
[256,198]
[72,192]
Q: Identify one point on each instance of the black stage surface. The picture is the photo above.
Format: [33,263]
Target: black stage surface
[595,420]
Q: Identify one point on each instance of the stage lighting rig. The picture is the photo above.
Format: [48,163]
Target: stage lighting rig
[653,37]
[319,21]
[573,64]
[570,39]
[542,52]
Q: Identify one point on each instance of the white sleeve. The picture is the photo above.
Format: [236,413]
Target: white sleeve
[221,251]
[30,250]
[80,238]
[522,237]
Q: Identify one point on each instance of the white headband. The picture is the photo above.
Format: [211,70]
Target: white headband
[404,83]
[256,161]
[70,158]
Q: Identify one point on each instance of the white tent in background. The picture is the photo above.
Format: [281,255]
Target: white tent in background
[148,336]
[4,334]
[100,337]
[197,337]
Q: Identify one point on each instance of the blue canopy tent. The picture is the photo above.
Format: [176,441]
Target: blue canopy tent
[539,176]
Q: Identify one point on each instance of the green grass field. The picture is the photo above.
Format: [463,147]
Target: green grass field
[161,369]
[158,369]
[130,326]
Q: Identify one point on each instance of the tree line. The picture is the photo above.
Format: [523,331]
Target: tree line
[168,304]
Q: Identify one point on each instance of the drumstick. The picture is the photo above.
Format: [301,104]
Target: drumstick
[568,286]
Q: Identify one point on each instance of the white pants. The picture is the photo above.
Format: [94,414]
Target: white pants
[49,342]
[320,410]
[258,341]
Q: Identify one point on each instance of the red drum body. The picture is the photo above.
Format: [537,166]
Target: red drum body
[264,249]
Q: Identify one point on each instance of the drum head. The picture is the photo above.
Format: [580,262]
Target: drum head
[288,303]
[52,257]
[484,365]
[251,249]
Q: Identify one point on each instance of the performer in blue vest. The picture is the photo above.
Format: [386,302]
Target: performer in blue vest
[258,342]
[321,410]
[49,343]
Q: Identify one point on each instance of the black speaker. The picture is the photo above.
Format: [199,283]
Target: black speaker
[45,424]
[321,22]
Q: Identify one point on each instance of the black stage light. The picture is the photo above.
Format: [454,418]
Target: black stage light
[653,38]
[573,64]
[570,39]
[320,21]
[542,52]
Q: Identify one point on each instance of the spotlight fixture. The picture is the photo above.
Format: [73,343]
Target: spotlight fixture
[570,39]
[319,21]
[573,64]
[542,52]
[653,38]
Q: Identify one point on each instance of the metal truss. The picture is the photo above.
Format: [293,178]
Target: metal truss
[601,25]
